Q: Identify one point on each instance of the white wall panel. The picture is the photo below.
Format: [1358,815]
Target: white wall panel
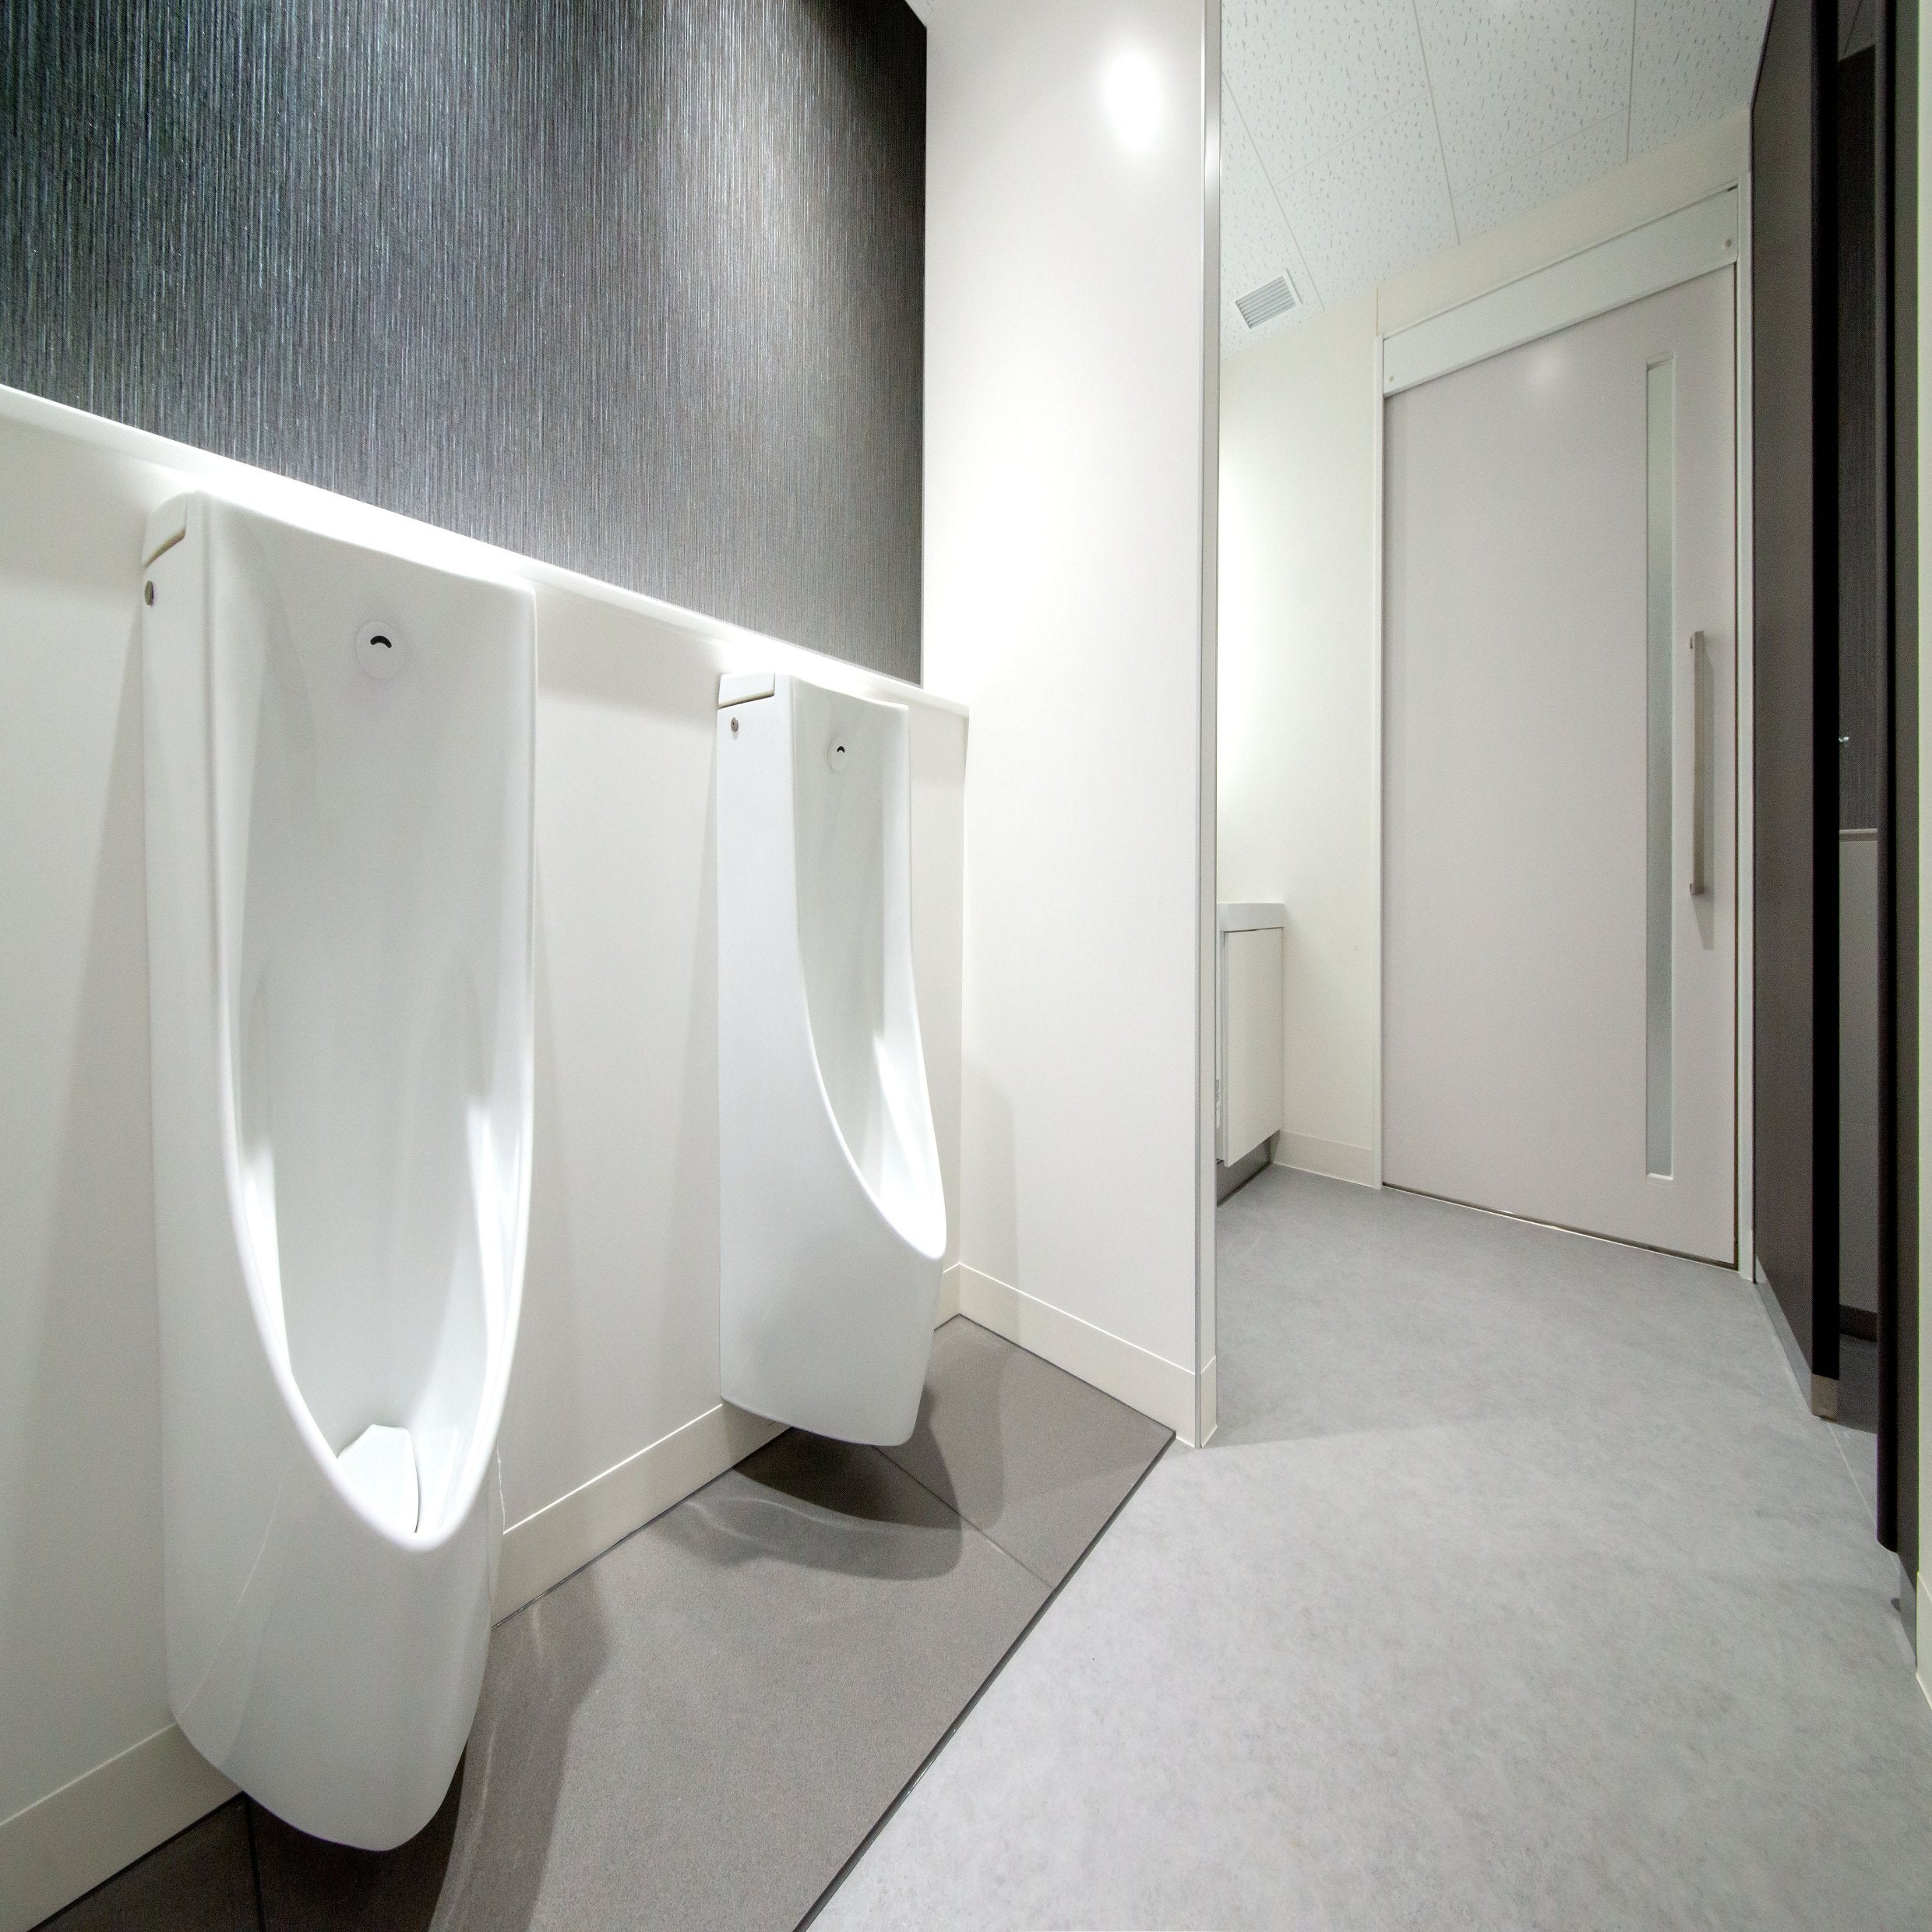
[80,1491]
[1067,325]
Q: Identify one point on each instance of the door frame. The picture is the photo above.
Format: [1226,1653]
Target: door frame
[1643,259]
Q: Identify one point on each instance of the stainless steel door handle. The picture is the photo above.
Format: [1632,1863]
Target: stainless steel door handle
[1699,767]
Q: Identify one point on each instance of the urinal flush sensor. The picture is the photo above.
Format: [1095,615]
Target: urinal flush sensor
[379,650]
[835,754]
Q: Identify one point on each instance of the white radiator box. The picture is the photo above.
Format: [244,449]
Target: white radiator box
[1248,1032]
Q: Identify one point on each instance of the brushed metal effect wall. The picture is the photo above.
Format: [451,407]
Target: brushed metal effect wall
[634,288]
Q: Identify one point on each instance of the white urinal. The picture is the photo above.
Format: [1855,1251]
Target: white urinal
[834,1216]
[339,766]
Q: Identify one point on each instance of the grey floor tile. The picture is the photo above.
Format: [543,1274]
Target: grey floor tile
[1523,1592]
[201,1881]
[700,1728]
[1036,1459]
[310,1885]
[1860,1451]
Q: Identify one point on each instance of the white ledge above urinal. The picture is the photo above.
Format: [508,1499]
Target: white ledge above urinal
[339,749]
[740,687]
[1250,915]
[833,1212]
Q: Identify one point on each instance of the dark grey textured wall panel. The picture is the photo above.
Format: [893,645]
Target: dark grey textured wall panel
[1794,389]
[1859,715]
[634,288]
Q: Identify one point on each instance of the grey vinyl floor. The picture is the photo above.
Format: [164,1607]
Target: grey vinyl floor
[700,1728]
[1518,1589]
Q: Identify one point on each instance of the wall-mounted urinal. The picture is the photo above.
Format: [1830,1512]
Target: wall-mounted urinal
[339,749]
[833,1214]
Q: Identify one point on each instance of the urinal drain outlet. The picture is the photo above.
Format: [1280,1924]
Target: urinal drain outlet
[379,650]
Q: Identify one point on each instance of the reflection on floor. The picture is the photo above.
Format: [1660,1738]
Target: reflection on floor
[1518,1589]
[1856,1430]
[701,1727]
[1858,1384]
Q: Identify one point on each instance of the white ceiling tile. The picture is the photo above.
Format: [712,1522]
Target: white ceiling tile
[1696,61]
[1542,178]
[1376,205]
[1256,243]
[1311,75]
[1361,138]
[1512,78]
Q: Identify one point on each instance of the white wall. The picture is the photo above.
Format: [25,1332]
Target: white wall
[1067,270]
[1300,477]
[613,1411]
[1297,775]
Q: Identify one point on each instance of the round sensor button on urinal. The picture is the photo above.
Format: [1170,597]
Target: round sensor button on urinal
[835,754]
[378,650]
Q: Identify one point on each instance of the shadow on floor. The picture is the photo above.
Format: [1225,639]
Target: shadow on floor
[848,1509]
[704,1725]
[922,1452]
[545,1662]
[309,1883]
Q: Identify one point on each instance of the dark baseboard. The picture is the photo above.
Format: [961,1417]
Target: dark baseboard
[1238,1173]
[1859,1322]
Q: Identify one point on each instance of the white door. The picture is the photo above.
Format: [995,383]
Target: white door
[1559,1005]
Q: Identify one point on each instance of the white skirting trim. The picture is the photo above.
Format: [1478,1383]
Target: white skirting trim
[563,1536]
[1335,1158]
[948,1296]
[69,1842]
[1149,1383]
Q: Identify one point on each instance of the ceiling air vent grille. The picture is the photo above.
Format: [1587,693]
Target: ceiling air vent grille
[1264,304]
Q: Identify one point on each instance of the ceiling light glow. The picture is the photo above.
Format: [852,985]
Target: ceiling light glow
[1130,90]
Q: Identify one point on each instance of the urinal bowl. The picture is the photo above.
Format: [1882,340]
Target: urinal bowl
[339,752]
[833,1212]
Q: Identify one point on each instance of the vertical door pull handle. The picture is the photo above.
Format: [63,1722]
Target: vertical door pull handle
[1699,767]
